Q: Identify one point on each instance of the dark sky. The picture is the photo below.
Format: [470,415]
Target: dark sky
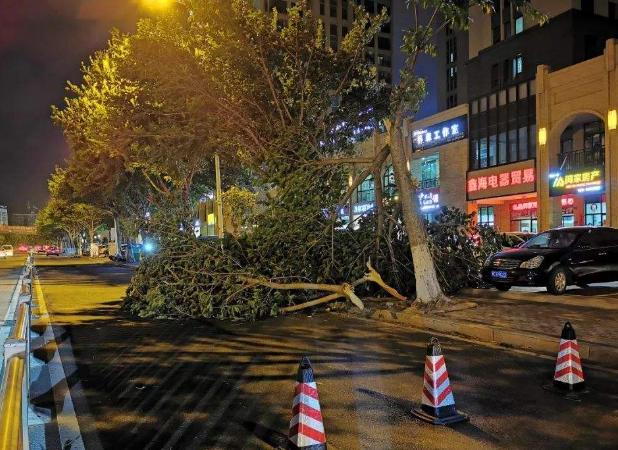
[42,43]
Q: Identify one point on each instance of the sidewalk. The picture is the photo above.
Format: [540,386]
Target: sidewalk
[518,320]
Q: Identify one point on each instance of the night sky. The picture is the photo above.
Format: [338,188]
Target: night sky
[42,43]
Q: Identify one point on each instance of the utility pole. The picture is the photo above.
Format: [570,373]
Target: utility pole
[219,200]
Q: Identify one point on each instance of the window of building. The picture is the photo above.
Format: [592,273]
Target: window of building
[474,107]
[591,49]
[495,34]
[588,6]
[483,104]
[493,98]
[384,60]
[369,6]
[486,216]
[333,8]
[388,182]
[493,151]
[512,94]
[483,153]
[523,143]
[522,90]
[370,56]
[344,9]
[344,31]
[611,11]
[502,147]
[532,137]
[385,76]
[280,5]
[506,71]
[366,190]
[334,38]
[451,101]
[596,211]
[519,25]
[518,65]
[495,81]
[430,173]
[384,43]
[451,78]
[512,145]
[507,29]
[322,7]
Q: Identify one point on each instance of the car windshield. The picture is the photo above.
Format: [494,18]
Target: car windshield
[551,239]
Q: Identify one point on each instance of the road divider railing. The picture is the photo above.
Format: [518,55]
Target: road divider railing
[15,386]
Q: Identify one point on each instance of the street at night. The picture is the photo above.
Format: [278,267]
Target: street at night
[308,225]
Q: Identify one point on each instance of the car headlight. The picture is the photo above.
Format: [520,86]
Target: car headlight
[487,261]
[533,263]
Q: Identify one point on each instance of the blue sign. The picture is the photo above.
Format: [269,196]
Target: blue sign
[440,134]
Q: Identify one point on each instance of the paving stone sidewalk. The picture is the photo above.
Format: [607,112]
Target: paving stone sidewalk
[599,326]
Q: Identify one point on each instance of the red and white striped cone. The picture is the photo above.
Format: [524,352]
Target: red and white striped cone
[569,375]
[306,426]
[438,403]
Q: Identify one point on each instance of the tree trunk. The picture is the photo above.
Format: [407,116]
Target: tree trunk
[377,182]
[427,286]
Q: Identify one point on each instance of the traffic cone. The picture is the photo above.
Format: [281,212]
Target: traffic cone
[438,404]
[306,426]
[568,376]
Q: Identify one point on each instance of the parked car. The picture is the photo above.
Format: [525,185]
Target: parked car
[52,251]
[515,239]
[556,259]
[8,249]
[23,248]
[40,249]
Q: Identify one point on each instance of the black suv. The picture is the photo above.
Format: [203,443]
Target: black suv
[557,258]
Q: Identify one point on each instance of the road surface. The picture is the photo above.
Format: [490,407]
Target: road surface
[156,384]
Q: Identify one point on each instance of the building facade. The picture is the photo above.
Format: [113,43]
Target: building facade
[510,159]
[4,215]
[337,16]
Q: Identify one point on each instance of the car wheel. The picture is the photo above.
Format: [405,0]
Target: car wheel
[558,281]
[502,287]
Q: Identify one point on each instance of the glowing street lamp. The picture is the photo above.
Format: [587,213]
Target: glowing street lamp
[158,4]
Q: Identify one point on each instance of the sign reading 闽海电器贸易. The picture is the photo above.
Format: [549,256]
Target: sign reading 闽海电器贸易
[442,133]
[586,181]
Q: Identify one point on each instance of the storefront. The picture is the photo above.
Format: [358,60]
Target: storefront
[505,197]
[582,193]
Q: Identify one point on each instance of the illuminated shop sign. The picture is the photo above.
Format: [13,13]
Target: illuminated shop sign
[513,179]
[429,200]
[440,134]
[530,206]
[362,208]
[587,181]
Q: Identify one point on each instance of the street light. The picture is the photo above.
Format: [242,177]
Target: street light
[157,4]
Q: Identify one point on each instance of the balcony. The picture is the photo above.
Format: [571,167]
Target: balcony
[430,184]
[582,159]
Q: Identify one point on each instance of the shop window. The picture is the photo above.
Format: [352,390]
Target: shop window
[568,220]
[519,25]
[486,216]
[596,212]
[388,182]
[366,190]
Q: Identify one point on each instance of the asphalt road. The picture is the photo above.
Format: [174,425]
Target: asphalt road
[190,385]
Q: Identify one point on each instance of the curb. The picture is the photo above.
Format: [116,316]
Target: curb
[571,300]
[599,354]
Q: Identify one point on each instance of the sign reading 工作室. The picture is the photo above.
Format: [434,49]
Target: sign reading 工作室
[510,179]
[440,134]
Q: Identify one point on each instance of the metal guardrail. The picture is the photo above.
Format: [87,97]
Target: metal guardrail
[15,387]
